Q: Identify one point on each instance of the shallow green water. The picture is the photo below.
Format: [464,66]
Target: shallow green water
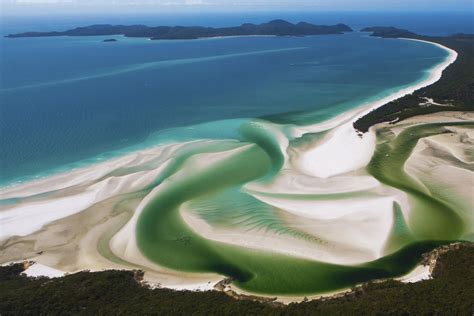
[164,238]
[432,218]
[89,101]
[217,88]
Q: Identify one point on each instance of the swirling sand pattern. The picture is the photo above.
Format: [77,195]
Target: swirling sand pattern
[262,206]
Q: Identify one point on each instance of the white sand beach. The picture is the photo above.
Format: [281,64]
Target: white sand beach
[86,219]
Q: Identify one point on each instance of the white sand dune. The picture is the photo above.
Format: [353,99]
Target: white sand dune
[329,251]
[26,218]
[291,182]
[80,189]
[124,243]
[86,175]
[444,165]
[356,219]
[420,273]
[343,150]
[322,190]
[38,269]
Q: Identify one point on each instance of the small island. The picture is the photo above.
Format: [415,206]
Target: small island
[275,28]
[109,40]
[389,32]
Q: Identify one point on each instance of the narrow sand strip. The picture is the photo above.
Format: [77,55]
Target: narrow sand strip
[38,269]
[418,274]
[354,226]
[337,155]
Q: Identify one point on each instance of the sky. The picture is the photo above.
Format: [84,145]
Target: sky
[108,6]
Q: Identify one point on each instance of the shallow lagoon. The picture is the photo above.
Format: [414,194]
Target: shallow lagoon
[216,87]
[85,97]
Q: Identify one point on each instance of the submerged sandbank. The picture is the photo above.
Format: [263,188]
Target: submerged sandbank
[336,152]
[320,205]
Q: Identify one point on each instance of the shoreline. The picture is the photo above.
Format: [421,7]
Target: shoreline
[425,271]
[449,293]
[344,139]
[434,76]
[313,163]
[296,131]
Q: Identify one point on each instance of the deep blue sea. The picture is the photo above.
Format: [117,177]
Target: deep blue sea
[67,100]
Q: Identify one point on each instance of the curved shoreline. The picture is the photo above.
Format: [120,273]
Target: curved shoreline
[296,131]
[340,132]
[343,139]
[113,154]
[433,77]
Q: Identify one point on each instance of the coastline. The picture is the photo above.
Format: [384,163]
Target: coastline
[313,163]
[448,293]
[296,131]
[342,138]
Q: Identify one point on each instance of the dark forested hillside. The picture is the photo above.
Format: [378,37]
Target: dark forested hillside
[451,292]
[453,92]
[275,27]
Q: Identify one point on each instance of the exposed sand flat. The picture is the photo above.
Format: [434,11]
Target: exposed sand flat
[344,241]
[277,243]
[38,269]
[65,231]
[26,218]
[445,116]
[193,283]
[418,274]
[87,218]
[357,243]
[352,222]
[336,154]
[82,188]
[291,182]
[329,209]
[86,175]
[76,243]
[352,213]
[124,243]
[444,164]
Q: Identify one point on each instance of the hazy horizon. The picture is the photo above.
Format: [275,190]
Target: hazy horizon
[74,7]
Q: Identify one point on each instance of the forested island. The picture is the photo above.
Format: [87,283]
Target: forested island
[389,32]
[275,27]
[453,92]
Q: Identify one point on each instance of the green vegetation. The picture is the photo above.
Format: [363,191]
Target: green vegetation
[451,292]
[389,32]
[275,27]
[454,91]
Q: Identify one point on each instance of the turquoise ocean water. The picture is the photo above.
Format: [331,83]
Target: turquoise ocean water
[66,102]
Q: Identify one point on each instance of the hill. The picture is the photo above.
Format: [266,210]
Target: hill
[275,27]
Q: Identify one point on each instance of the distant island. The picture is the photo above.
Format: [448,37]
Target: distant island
[275,27]
[109,40]
[389,32]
